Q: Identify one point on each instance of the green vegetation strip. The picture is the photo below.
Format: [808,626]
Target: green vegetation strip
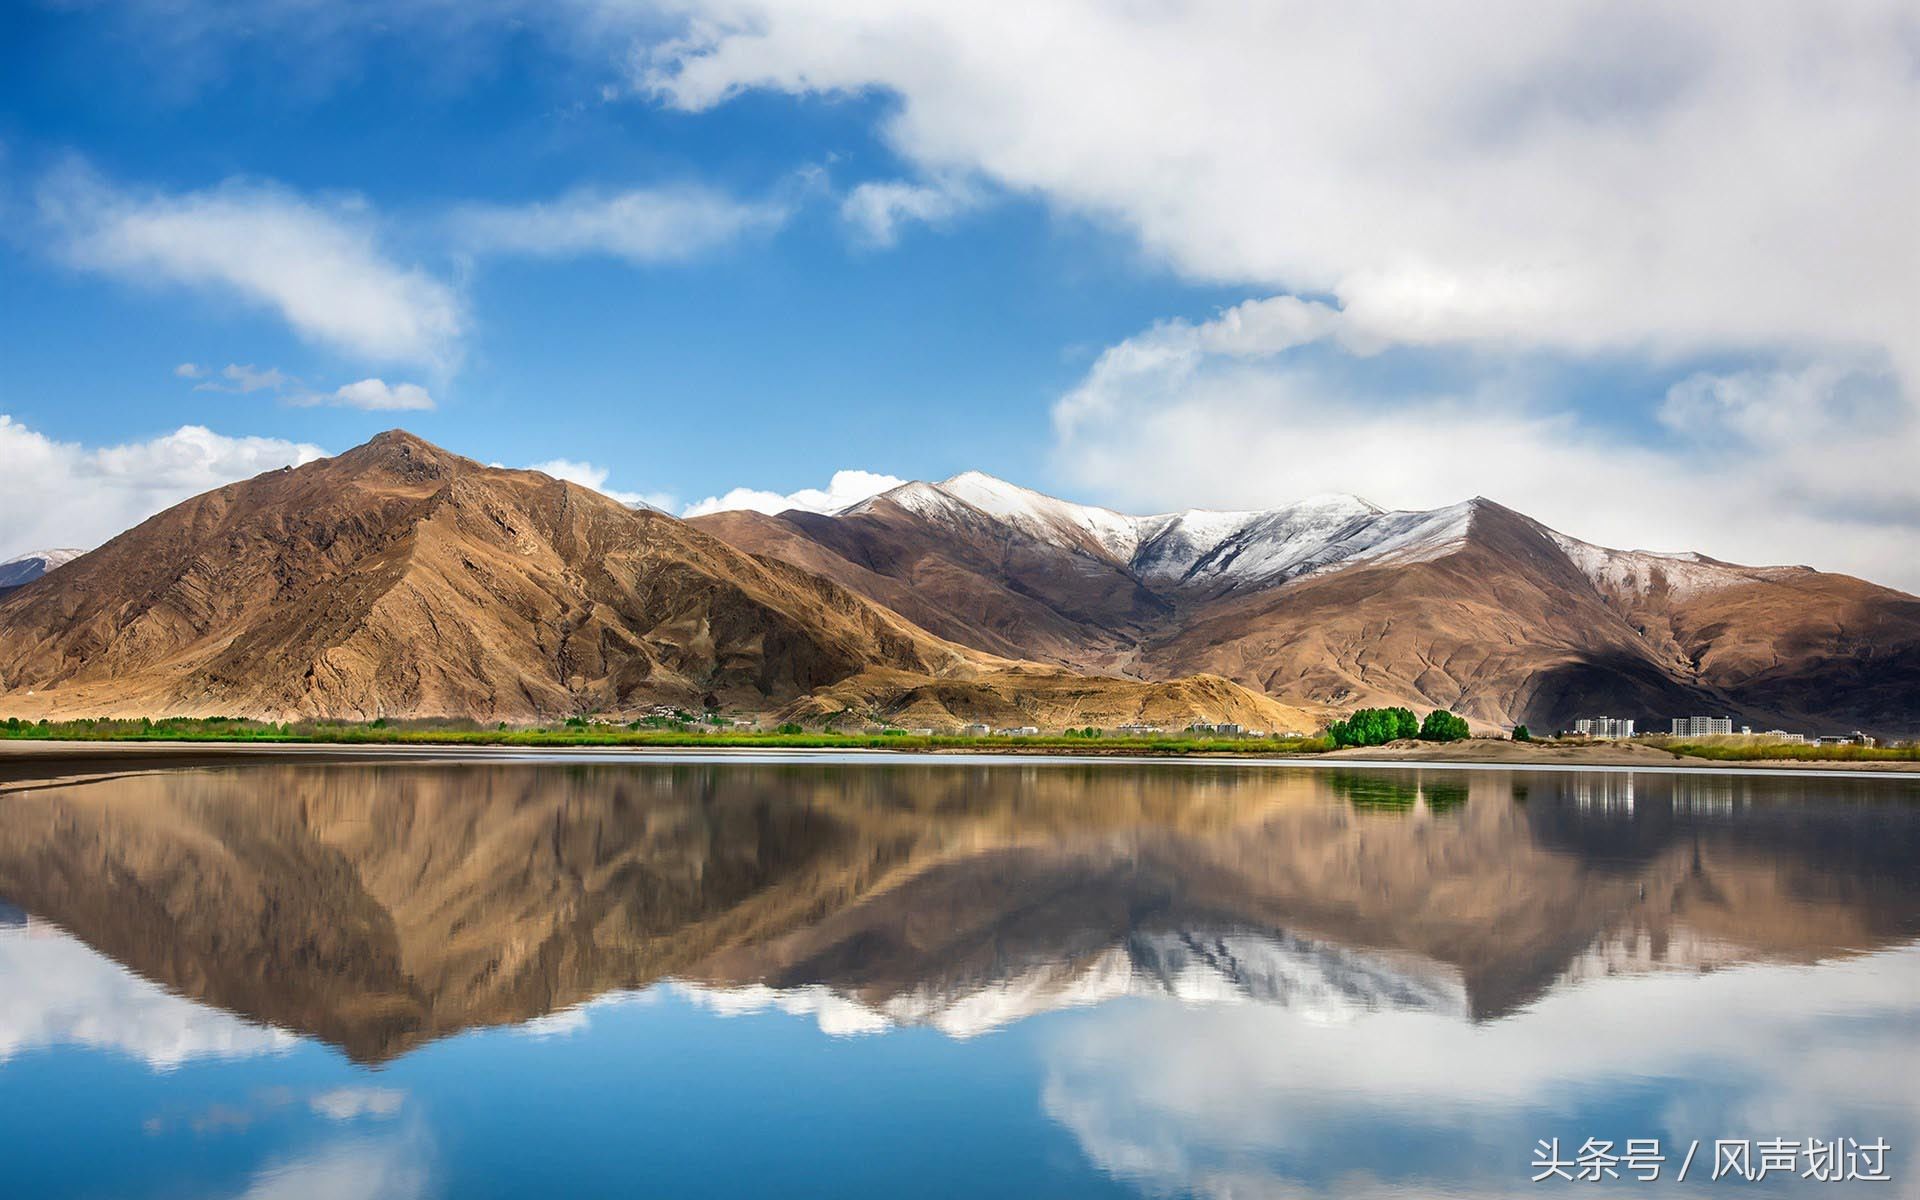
[233,729]
[674,734]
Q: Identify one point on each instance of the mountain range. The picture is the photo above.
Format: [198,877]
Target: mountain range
[1334,603]
[401,580]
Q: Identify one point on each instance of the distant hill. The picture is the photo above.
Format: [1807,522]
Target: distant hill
[1335,603]
[400,580]
[16,573]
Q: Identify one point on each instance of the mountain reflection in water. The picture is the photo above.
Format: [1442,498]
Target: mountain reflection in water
[937,979]
[380,907]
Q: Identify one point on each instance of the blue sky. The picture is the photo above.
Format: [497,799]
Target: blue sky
[1612,272]
[773,360]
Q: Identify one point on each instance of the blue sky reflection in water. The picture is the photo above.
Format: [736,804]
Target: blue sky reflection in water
[1051,980]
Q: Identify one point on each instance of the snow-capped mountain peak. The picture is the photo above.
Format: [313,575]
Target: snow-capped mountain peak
[1197,547]
[28,567]
[1221,551]
[1047,517]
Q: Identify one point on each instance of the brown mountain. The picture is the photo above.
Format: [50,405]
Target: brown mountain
[1333,603]
[398,579]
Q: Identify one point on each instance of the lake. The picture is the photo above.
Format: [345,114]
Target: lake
[617,978]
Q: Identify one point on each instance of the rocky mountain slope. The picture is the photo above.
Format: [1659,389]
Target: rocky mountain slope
[1333,602]
[401,580]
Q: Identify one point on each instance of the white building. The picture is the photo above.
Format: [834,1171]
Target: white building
[1223,728]
[1693,727]
[1604,727]
[1020,731]
[975,730]
[1138,730]
[1856,738]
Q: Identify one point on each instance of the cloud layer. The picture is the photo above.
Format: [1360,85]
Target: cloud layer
[1266,403]
[643,225]
[60,993]
[55,493]
[377,395]
[1594,183]
[1245,1101]
[878,210]
[587,475]
[845,488]
[320,267]
[1591,176]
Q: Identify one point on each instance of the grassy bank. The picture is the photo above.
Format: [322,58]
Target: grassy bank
[1793,752]
[225,729]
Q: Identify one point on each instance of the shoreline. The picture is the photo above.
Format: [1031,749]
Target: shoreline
[17,754]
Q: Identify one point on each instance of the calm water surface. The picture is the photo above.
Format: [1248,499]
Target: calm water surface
[627,979]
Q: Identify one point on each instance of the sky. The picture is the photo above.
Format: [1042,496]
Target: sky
[1648,273]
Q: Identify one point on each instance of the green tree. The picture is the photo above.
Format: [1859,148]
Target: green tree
[1374,727]
[1522,734]
[1443,726]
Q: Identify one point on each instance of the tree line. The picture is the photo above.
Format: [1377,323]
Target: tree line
[1378,726]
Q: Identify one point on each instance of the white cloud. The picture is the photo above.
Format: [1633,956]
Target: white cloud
[846,488]
[237,377]
[1795,464]
[55,493]
[836,1015]
[1247,1101]
[592,477]
[60,992]
[643,225]
[368,395]
[390,1168]
[319,266]
[376,395]
[877,210]
[349,1103]
[1651,182]
[1589,177]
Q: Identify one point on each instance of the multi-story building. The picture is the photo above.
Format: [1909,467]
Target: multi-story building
[1604,727]
[1693,727]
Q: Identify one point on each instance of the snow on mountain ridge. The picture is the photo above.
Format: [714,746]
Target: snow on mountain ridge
[28,567]
[1323,981]
[1228,550]
[1204,547]
[1642,572]
[1046,516]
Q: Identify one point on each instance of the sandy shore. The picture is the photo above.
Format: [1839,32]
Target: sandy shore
[31,759]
